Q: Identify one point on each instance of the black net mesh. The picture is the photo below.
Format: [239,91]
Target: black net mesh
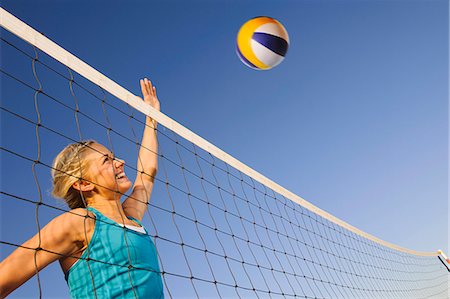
[218,232]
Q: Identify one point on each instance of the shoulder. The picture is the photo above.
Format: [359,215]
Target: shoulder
[73,224]
[76,216]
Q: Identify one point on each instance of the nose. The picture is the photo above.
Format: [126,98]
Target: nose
[119,162]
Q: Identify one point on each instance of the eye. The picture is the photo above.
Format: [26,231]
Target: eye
[107,158]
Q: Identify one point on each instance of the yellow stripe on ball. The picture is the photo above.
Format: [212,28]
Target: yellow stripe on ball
[245,36]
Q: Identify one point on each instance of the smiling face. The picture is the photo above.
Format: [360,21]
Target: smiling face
[105,171]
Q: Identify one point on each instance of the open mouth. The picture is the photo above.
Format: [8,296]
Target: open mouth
[120,175]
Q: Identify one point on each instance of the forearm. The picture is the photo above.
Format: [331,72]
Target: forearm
[16,270]
[148,153]
[61,237]
[23,264]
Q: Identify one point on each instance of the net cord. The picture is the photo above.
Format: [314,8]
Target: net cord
[30,35]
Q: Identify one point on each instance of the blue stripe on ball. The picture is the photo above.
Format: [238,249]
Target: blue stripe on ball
[245,60]
[272,42]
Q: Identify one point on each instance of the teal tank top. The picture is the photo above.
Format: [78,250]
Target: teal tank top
[118,263]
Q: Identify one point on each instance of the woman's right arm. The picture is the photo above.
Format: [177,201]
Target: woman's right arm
[62,236]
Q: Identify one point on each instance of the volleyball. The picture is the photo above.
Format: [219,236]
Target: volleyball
[262,43]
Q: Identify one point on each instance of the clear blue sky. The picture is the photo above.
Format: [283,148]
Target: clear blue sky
[354,120]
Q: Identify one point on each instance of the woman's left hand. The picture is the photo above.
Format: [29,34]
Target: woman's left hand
[149,93]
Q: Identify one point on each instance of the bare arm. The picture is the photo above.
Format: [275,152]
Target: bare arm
[59,238]
[147,164]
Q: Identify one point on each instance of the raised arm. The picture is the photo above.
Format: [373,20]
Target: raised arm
[62,235]
[147,163]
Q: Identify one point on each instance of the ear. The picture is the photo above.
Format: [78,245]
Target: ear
[83,186]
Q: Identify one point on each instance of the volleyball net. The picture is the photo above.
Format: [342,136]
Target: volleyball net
[221,228]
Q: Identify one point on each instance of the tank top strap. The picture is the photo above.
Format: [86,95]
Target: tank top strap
[99,215]
[96,213]
[102,218]
[134,219]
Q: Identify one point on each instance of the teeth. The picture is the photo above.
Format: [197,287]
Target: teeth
[120,175]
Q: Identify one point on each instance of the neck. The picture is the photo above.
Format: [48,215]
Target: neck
[111,208]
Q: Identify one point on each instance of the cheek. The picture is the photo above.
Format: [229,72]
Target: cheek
[98,173]
[106,170]
[88,173]
[125,186]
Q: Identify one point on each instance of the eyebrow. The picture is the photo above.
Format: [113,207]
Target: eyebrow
[106,157]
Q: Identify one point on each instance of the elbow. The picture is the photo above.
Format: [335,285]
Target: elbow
[6,288]
[153,172]
[149,174]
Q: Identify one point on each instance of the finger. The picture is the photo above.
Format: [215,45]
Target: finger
[147,92]
[143,88]
[146,86]
[150,87]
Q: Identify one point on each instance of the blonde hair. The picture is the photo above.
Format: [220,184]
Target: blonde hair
[68,168]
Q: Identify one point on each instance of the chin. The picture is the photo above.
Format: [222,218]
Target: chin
[125,186]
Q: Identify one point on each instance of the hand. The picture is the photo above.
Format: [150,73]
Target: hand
[149,93]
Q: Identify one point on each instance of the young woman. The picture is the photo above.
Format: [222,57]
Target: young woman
[101,245]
